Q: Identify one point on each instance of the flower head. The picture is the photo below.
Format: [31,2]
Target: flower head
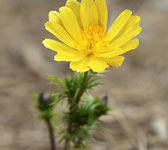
[85,43]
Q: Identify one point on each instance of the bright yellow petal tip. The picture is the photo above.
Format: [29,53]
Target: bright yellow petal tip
[85,43]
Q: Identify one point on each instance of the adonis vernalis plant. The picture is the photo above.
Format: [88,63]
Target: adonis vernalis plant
[85,42]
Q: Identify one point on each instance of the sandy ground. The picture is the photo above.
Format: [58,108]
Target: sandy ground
[137,90]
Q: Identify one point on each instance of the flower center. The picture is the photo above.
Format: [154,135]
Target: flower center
[89,38]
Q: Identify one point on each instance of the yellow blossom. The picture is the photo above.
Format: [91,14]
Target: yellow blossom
[85,43]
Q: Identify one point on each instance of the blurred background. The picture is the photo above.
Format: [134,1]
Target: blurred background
[138,89]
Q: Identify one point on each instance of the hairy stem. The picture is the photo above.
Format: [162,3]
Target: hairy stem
[51,134]
[81,90]
[73,105]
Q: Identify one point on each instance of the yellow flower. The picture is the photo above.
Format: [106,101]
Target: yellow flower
[85,43]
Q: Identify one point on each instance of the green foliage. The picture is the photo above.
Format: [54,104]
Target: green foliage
[100,108]
[83,110]
[54,80]
[82,120]
[72,85]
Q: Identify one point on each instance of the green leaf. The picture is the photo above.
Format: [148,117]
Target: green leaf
[35,96]
[56,81]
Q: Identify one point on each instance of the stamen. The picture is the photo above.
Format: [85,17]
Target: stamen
[89,38]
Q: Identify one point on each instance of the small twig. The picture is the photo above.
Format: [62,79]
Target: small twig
[51,134]
[142,140]
[127,126]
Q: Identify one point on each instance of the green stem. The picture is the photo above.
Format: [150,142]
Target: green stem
[74,104]
[81,90]
[51,134]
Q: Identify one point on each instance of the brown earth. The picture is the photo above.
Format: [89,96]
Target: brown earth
[138,90]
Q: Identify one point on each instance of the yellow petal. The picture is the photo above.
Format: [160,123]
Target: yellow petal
[130,45]
[88,13]
[97,65]
[126,36]
[133,21]
[69,21]
[102,13]
[130,30]
[54,16]
[110,53]
[118,24]
[115,62]
[65,53]
[62,57]
[57,30]
[80,66]
[75,6]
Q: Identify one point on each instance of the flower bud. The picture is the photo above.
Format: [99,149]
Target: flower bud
[44,98]
[104,100]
